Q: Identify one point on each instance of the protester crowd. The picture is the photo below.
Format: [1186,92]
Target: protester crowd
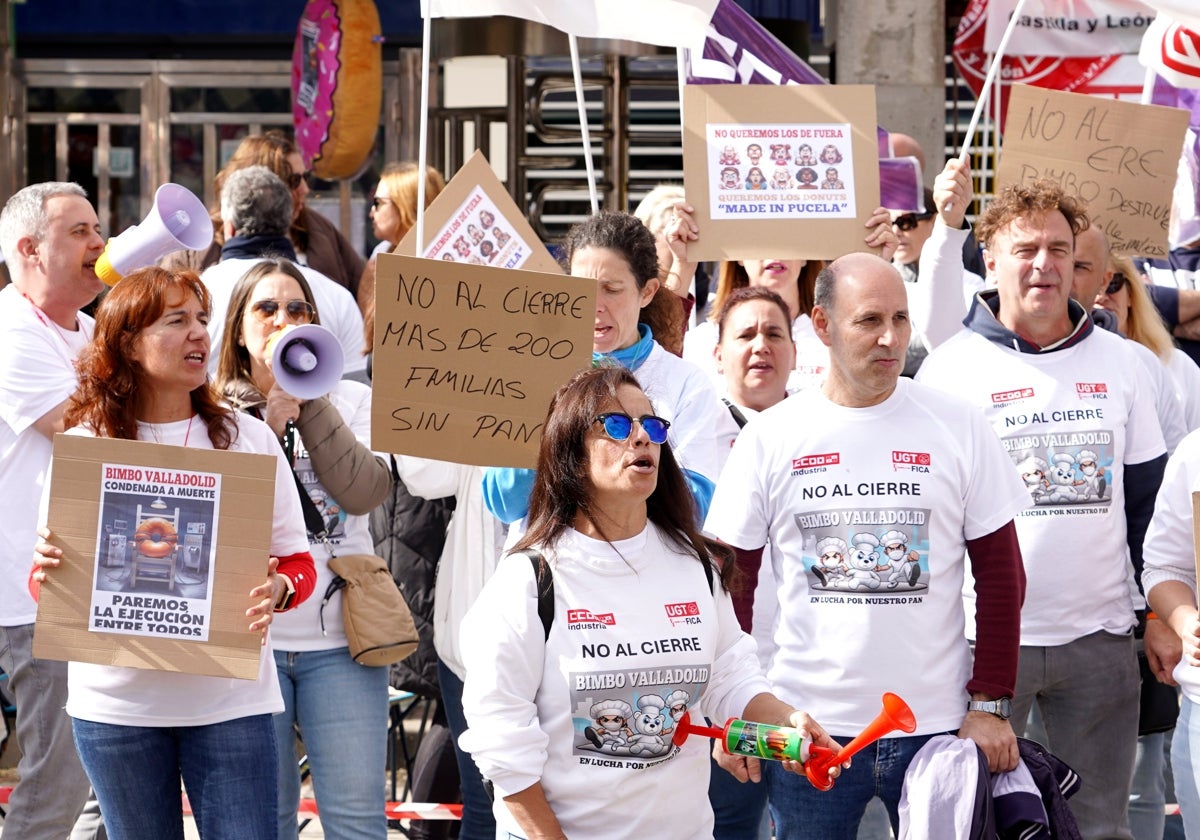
[956,466]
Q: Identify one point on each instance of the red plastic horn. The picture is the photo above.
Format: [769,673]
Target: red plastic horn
[895,715]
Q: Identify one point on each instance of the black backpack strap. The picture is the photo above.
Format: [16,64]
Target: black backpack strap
[545,588]
[736,413]
[708,573]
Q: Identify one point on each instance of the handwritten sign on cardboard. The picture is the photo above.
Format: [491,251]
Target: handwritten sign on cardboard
[791,171]
[97,608]
[1118,157]
[467,357]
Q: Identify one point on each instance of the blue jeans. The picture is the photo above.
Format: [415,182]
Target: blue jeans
[801,812]
[739,808]
[1185,763]
[342,710]
[478,821]
[227,770]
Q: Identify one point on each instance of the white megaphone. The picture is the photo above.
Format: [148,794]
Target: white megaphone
[177,220]
[306,360]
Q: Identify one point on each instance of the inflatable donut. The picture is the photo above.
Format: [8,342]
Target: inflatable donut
[337,85]
[155,537]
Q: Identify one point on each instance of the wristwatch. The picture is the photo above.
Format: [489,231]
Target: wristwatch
[289,595]
[1001,708]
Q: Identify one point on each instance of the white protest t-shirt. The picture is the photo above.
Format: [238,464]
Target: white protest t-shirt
[1070,419]
[867,511]
[637,639]
[139,697]
[37,372]
[300,628]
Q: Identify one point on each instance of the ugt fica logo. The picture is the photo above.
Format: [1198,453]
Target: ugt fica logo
[910,461]
[685,613]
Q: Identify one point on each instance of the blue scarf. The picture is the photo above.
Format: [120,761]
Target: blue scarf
[631,356]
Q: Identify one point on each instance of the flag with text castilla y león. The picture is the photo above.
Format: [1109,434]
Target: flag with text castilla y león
[668,23]
[1077,46]
[739,50]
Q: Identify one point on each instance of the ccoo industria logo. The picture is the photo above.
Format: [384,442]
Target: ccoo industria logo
[587,620]
[808,464]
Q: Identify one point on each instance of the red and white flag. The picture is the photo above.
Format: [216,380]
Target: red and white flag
[668,23]
[1172,50]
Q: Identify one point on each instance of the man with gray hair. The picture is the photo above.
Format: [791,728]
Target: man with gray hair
[257,211]
[902,480]
[51,240]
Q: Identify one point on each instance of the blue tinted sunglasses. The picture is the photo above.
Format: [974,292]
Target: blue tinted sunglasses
[618,426]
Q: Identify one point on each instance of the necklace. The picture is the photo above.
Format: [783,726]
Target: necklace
[186,435]
[49,322]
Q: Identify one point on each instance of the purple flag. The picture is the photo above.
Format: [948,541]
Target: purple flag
[1185,207]
[738,50]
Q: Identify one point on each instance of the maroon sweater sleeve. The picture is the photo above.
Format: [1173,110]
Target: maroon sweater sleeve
[749,560]
[999,593]
[301,570]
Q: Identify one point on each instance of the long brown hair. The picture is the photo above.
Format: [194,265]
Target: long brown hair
[109,377]
[733,276]
[561,489]
[233,359]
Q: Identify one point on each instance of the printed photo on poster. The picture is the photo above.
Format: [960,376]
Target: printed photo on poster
[479,234]
[155,558]
[799,171]
[875,553]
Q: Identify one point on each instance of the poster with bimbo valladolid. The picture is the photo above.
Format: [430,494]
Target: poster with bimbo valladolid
[161,547]
[791,172]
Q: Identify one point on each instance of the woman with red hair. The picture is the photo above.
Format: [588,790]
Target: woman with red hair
[145,377]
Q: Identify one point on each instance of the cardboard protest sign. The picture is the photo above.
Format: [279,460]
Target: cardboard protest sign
[161,545]
[1118,157]
[466,358]
[474,220]
[790,172]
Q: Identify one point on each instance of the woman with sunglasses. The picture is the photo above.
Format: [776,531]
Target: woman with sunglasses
[1137,319]
[393,215]
[145,377]
[571,715]
[317,241]
[338,705]
[617,252]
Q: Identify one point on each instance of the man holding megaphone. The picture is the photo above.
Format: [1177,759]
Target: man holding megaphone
[276,362]
[51,240]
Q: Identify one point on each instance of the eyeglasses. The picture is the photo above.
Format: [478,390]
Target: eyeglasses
[909,220]
[618,426]
[379,201]
[298,311]
[1116,284]
[296,178]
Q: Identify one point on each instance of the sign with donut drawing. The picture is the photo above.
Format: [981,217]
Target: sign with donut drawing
[160,546]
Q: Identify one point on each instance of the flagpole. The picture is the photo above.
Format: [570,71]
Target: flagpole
[681,76]
[1148,86]
[583,122]
[423,141]
[984,92]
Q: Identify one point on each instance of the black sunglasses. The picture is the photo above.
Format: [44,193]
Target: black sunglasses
[618,426]
[298,311]
[296,178]
[909,220]
[1116,284]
